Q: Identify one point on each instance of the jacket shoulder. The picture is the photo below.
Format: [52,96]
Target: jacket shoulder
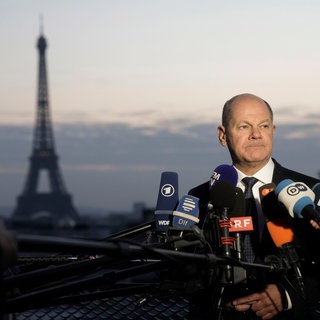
[280,173]
[200,190]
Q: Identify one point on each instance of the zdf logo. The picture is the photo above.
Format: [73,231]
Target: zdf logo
[296,188]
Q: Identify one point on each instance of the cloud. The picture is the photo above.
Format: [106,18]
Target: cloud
[313,117]
[11,170]
[295,116]
[112,166]
[308,131]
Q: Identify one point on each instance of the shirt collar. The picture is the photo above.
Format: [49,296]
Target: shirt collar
[264,175]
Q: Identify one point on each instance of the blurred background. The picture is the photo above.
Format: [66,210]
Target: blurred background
[136,88]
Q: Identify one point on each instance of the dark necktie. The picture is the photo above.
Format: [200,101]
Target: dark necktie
[249,240]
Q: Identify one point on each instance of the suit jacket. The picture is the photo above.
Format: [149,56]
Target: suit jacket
[306,242]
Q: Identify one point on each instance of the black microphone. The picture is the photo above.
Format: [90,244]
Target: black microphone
[223,172]
[240,224]
[277,222]
[168,199]
[239,221]
[316,191]
[280,231]
[223,196]
[282,235]
[298,198]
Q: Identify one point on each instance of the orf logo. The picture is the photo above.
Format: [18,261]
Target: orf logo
[295,189]
[167,190]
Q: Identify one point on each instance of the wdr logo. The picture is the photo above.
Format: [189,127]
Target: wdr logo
[163,222]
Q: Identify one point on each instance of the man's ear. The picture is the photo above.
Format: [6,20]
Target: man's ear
[222,136]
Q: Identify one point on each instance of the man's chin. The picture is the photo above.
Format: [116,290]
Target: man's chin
[257,161]
[257,155]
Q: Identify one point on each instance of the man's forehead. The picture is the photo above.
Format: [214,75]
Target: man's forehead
[250,108]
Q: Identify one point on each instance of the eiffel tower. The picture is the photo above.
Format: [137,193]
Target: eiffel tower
[55,205]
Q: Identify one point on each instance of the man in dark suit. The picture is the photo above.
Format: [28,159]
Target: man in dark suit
[247,131]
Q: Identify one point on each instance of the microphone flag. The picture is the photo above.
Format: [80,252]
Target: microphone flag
[298,198]
[168,199]
[224,172]
[187,212]
[277,222]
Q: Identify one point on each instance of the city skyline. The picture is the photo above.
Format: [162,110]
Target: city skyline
[152,77]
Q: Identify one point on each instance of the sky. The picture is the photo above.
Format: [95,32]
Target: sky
[136,88]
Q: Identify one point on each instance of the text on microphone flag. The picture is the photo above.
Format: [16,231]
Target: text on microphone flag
[240,224]
[224,172]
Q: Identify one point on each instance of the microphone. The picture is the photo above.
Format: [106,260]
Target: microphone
[298,198]
[280,231]
[167,200]
[223,196]
[277,222]
[239,224]
[282,235]
[316,190]
[224,172]
[239,221]
[187,212]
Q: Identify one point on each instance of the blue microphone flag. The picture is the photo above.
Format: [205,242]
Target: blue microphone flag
[187,212]
[168,199]
[224,172]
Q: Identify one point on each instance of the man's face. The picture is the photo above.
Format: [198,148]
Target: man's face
[249,133]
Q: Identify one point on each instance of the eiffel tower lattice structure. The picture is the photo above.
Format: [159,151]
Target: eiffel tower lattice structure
[32,203]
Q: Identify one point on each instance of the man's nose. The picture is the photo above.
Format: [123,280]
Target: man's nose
[255,133]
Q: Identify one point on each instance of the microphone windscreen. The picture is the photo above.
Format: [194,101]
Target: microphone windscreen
[293,195]
[223,195]
[269,203]
[240,222]
[224,172]
[278,223]
[187,212]
[301,205]
[239,207]
[316,190]
[167,200]
[280,231]
[266,190]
